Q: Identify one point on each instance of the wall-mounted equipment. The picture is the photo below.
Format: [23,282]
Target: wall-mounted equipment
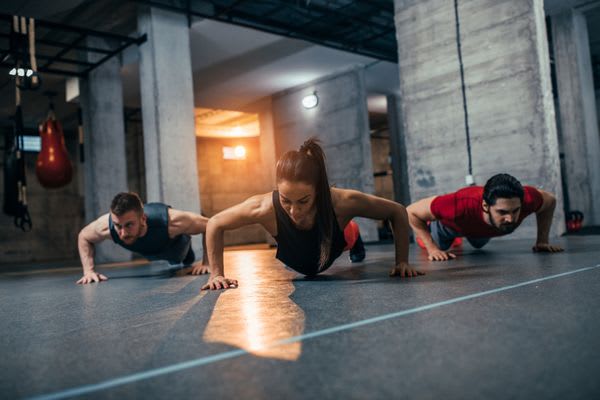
[310,101]
[234,153]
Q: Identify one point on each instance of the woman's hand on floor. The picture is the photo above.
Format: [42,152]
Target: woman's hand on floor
[404,270]
[220,282]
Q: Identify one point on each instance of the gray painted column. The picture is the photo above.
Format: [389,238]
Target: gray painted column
[105,168]
[341,122]
[398,150]
[578,118]
[168,112]
[508,90]
[267,149]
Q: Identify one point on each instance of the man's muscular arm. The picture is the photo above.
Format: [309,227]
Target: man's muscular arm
[544,222]
[93,233]
[189,223]
[419,213]
[186,223]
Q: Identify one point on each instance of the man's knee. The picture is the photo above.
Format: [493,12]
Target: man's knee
[442,236]
[478,243]
[190,257]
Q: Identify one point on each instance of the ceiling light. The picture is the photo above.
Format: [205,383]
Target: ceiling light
[21,72]
[310,101]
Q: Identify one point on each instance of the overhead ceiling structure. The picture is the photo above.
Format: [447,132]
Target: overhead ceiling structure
[364,27]
[59,47]
[224,123]
[242,50]
[553,7]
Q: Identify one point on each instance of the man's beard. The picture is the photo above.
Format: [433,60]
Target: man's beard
[132,238]
[504,228]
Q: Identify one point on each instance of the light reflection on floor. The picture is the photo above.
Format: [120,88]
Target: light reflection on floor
[259,312]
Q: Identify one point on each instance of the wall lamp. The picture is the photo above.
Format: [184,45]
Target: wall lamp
[310,101]
[234,153]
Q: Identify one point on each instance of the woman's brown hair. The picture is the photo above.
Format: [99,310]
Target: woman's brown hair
[308,165]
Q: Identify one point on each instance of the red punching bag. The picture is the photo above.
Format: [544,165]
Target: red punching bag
[53,167]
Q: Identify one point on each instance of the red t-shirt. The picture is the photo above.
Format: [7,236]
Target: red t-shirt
[462,211]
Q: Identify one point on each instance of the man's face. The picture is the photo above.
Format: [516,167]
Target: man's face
[129,226]
[504,214]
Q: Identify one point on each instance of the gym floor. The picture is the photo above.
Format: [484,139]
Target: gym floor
[497,323]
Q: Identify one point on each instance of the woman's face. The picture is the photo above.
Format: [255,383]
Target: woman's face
[298,201]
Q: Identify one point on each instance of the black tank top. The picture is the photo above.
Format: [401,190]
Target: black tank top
[300,249]
[156,243]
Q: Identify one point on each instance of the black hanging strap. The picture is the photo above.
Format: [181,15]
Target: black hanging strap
[462,81]
[22,218]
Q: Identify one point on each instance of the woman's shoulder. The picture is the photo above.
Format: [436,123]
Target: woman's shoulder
[338,194]
[259,205]
[344,199]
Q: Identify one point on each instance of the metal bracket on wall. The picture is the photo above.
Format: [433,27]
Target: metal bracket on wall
[59,47]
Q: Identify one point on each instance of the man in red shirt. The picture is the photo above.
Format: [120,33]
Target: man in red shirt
[480,213]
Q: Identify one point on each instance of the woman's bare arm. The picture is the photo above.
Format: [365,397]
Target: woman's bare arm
[256,210]
[352,203]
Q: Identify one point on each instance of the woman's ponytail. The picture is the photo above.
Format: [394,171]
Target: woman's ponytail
[308,165]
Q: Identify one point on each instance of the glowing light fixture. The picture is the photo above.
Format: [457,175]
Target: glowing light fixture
[240,152]
[32,143]
[21,72]
[234,153]
[310,101]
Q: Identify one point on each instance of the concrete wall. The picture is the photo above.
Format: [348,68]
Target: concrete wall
[264,108]
[508,89]
[380,152]
[168,111]
[340,121]
[134,145]
[383,184]
[56,214]
[105,168]
[578,116]
[398,150]
[225,183]
[597,96]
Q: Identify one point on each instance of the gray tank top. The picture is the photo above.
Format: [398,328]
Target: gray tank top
[156,244]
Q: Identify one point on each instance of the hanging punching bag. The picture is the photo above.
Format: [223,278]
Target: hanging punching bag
[53,167]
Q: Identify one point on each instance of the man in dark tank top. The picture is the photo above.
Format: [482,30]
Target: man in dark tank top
[154,230]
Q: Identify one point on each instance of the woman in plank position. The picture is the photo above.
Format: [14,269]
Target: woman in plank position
[310,220]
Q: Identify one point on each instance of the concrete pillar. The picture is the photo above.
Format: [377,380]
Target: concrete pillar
[267,145]
[341,122]
[267,149]
[578,117]
[508,90]
[105,168]
[398,151]
[168,111]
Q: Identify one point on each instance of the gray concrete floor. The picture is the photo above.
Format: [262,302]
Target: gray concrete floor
[499,323]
